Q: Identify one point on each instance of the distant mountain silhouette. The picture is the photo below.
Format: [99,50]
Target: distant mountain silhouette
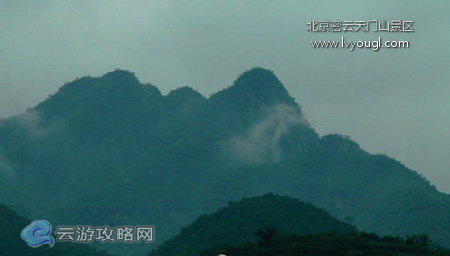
[112,151]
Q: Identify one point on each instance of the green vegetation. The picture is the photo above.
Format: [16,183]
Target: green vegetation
[238,222]
[112,151]
[12,245]
[329,244]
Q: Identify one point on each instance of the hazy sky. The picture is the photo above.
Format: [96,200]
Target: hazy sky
[391,101]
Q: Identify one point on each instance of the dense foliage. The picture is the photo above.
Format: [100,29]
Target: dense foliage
[238,222]
[12,245]
[329,244]
[112,151]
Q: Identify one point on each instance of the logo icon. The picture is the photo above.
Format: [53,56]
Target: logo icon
[38,233]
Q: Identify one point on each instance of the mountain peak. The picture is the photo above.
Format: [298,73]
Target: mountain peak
[183,92]
[116,88]
[253,88]
[120,76]
[262,83]
[258,74]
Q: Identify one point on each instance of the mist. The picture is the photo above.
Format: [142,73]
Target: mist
[261,143]
[6,168]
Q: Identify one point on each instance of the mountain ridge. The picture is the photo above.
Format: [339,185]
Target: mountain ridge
[134,156]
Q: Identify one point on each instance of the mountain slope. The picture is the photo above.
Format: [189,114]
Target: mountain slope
[113,151]
[367,244]
[12,245]
[238,222]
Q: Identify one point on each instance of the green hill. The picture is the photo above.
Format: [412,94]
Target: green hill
[362,244]
[238,222]
[12,245]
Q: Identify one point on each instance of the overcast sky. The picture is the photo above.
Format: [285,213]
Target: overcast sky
[391,101]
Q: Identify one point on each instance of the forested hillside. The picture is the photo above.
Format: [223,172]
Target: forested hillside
[114,151]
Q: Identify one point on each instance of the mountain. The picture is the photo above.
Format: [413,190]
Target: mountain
[331,244]
[11,244]
[282,226]
[111,150]
[238,222]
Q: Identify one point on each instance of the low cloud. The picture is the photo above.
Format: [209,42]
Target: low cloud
[260,143]
[31,122]
[6,168]
[37,128]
